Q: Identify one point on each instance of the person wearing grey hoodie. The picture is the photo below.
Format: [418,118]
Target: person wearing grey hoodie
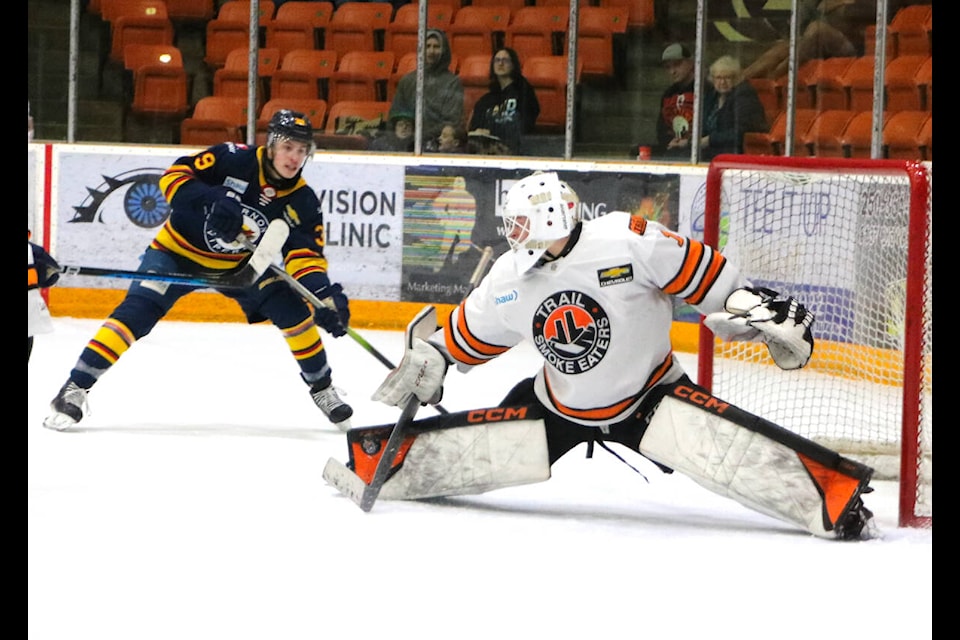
[442,90]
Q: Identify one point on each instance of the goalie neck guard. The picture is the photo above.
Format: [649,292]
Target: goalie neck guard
[539,210]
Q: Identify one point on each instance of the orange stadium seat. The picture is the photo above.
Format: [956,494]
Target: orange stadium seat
[215,119]
[908,30]
[858,83]
[548,75]
[774,141]
[857,138]
[640,15]
[159,80]
[299,24]
[140,22]
[361,75]
[924,80]
[825,84]
[595,32]
[233,78]
[900,81]
[537,31]
[770,92]
[475,78]
[231,30]
[358,26]
[304,73]
[478,29]
[823,138]
[901,134]
[191,11]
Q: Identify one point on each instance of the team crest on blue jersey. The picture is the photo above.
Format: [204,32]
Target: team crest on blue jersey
[571,331]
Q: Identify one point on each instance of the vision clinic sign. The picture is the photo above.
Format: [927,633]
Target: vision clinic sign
[362,206]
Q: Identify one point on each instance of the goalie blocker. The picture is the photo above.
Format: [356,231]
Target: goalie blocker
[723,448]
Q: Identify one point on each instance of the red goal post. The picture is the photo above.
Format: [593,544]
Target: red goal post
[852,240]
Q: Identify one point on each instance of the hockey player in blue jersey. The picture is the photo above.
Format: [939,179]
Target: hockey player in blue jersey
[215,195]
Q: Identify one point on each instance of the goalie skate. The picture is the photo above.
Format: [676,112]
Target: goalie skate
[69,407]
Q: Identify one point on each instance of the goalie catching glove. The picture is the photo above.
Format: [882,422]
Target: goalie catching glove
[763,314]
[420,373]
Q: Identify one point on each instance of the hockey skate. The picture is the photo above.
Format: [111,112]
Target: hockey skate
[69,407]
[336,410]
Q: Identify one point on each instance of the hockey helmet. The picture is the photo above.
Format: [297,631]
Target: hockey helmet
[290,125]
[539,210]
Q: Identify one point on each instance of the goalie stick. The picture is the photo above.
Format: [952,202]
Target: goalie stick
[349,483]
[345,480]
[263,254]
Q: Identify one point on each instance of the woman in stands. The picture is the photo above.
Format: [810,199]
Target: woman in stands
[731,107]
[510,108]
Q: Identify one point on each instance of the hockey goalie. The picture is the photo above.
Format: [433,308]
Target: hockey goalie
[595,299]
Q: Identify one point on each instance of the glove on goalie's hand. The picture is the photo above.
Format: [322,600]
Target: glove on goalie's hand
[420,373]
[225,215]
[762,314]
[334,321]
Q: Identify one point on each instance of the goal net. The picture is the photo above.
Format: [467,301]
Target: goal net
[852,240]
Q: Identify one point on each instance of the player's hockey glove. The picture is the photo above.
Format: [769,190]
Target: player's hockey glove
[763,314]
[48,271]
[420,373]
[333,320]
[225,215]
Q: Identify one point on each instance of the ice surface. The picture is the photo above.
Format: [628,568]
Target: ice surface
[190,505]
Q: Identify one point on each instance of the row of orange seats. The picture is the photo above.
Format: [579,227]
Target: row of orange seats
[847,83]
[840,133]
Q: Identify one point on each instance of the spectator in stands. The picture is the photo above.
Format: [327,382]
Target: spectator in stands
[442,90]
[452,139]
[399,134]
[510,108]
[29,123]
[676,105]
[731,107]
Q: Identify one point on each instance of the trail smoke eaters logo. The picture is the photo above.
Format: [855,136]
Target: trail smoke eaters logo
[571,331]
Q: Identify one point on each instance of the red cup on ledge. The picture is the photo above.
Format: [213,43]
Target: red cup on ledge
[643,153]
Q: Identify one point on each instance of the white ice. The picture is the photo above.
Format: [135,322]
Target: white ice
[189,505]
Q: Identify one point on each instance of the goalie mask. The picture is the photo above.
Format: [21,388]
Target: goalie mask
[539,210]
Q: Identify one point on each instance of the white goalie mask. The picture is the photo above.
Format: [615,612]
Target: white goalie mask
[539,210]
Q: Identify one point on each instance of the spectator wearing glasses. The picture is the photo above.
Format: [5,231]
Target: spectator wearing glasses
[509,110]
[731,107]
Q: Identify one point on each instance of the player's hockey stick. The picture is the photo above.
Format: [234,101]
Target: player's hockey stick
[243,276]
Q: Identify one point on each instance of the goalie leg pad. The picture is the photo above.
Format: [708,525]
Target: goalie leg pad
[755,462]
[462,453]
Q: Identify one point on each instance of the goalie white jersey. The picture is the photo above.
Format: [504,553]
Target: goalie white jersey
[600,315]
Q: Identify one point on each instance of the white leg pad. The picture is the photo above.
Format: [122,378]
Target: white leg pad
[735,462]
[471,459]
